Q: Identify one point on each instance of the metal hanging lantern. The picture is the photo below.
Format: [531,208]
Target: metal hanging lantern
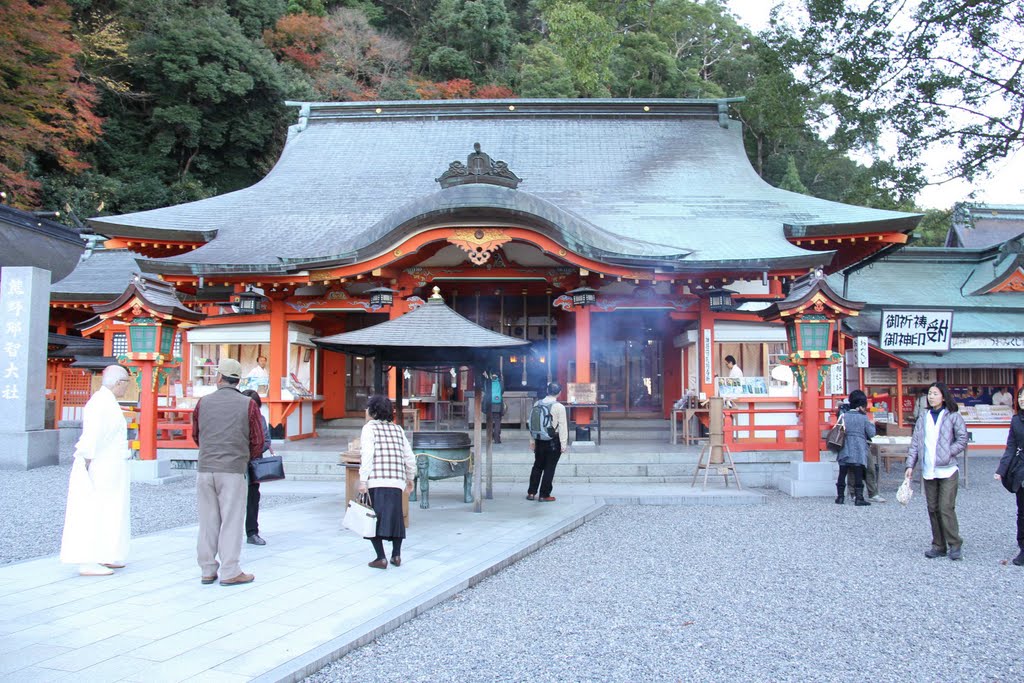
[380,297]
[583,296]
[249,302]
[720,300]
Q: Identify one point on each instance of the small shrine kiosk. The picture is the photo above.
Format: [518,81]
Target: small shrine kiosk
[149,316]
[432,336]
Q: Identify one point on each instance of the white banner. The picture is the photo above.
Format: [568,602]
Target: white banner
[916,330]
[836,383]
[708,370]
[988,343]
[862,352]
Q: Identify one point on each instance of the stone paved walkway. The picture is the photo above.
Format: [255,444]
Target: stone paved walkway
[313,600]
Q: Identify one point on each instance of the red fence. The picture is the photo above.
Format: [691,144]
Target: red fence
[772,429]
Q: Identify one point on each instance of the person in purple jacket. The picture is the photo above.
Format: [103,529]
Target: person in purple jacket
[940,436]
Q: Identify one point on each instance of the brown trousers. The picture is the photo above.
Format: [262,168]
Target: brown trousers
[941,497]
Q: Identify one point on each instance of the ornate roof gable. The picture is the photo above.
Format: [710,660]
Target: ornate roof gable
[479,168]
[1007,269]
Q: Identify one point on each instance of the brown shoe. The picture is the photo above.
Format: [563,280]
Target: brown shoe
[530,496]
[547,499]
[238,580]
[397,560]
[111,565]
[378,564]
[207,580]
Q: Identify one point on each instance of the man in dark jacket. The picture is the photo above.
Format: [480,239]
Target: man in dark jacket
[227,427]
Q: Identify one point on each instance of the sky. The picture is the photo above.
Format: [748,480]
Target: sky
[1004,186]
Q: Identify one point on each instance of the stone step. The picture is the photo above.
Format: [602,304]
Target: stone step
[348,433]
[507,471]
[341,422]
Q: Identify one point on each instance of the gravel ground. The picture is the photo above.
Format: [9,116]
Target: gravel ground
[796,590]
[28,531]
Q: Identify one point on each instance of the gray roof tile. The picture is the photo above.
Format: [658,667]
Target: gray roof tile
[674,179]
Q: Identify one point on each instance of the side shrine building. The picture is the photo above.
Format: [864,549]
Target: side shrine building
[604,231]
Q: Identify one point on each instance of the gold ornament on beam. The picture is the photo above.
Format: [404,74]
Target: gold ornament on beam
[480,243]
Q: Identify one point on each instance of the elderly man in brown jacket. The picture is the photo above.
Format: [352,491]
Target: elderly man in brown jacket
[227,427]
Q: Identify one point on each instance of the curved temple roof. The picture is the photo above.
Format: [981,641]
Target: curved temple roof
[628,180]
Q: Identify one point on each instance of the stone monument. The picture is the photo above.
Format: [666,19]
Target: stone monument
[24,325]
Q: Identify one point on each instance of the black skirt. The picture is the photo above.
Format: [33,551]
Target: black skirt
[387,503]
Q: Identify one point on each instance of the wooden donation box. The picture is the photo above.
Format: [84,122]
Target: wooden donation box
[351,460]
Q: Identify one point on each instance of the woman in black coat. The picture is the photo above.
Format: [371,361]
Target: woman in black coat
[1014,443]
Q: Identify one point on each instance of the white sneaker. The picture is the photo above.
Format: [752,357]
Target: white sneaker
[876,499]
[94,570]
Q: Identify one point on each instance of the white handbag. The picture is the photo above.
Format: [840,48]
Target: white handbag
[904,493]
[360,518]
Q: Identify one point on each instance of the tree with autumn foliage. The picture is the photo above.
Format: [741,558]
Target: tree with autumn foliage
[46,109]
[344,57]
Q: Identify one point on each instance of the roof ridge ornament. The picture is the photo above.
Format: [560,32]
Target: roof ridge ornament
[479,168]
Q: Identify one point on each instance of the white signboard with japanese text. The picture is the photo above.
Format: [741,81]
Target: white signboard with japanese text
[862,352]
[708,370]
[836,380]
[916,330]
[880,377]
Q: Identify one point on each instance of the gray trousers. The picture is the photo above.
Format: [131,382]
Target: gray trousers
[221,499]
[941,497]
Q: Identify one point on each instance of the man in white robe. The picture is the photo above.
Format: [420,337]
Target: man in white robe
[97,520]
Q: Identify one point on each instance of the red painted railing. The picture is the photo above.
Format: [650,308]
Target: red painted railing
[745,429]
[174,428]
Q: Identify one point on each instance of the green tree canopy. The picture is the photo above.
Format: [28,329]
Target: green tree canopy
[586,41]
[935,73]
[464,39]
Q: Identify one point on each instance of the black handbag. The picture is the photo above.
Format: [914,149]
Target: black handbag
[837,435]
[266,469]
[1013,473]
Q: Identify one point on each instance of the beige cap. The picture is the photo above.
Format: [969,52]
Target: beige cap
[229,367]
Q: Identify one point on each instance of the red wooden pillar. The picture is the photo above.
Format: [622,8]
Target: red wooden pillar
[147,410]
[899,395]
[278,358]
[582,356]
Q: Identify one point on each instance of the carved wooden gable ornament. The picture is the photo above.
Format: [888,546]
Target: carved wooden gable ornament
[479,168]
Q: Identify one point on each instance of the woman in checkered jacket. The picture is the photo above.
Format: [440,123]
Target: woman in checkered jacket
[388,466]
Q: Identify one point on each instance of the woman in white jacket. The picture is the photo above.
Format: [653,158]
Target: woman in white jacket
[940,435]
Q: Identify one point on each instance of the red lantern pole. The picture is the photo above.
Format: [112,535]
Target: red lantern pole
[147,410]
[811,417]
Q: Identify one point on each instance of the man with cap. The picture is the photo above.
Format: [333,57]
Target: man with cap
[226,426]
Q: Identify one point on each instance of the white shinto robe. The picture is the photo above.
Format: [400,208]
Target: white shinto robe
[97,521]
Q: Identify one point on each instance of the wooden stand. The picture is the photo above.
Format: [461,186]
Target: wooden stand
[720,457]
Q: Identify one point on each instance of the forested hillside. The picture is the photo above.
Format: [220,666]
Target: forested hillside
[111,106]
